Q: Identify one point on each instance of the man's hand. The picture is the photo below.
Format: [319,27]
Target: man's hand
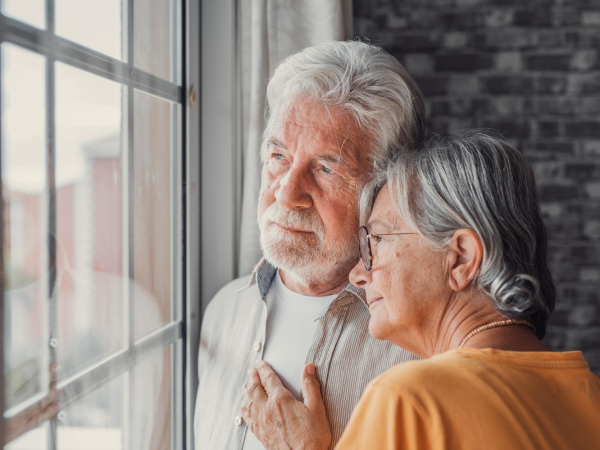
[280,421]
[35,415]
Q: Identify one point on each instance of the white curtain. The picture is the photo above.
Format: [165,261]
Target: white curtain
[271,30]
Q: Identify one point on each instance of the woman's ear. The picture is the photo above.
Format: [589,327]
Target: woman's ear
[465,253]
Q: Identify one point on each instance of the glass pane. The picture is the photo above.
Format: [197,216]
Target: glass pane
[153,137]
[152,408]
[92,23]
[32,12]
[155,37]
[36,439]
[25,249]
[89,239]
[96,422]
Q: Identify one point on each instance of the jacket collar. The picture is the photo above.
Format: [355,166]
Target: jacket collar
[264,273]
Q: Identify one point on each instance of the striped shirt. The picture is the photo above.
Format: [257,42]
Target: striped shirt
[347,358]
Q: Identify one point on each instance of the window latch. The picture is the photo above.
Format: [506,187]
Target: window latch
[193,97]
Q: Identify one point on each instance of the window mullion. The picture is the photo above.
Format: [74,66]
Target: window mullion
[51,212]
[130,232]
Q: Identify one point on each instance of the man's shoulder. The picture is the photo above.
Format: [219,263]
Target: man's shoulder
[229,294]
[233,288]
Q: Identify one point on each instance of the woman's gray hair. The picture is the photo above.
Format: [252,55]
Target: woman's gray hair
[360,78]
[476,180]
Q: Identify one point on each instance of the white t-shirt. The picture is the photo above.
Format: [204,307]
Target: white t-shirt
[291,326]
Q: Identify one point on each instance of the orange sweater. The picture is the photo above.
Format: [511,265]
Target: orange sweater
[480,399]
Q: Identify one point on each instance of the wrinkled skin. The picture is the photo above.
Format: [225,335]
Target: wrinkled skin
[35,415]
[278,420]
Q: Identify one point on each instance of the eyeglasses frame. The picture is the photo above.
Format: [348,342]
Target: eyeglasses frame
[369,266]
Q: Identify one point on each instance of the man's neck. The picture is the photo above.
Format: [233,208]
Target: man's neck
[315,287]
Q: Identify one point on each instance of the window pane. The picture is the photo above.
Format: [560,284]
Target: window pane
[25,249]
[36,439]
[90,284]
[95,24]
[153,137]
[155,30]
[96,421]
[32,12]
[152,408]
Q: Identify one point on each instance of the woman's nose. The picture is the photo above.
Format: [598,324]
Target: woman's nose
[359,276]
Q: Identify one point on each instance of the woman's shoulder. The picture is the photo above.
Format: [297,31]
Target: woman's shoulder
[430,377]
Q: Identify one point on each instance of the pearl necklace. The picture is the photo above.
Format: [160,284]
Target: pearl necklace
[500,323]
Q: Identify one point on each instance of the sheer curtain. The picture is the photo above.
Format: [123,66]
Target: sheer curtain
[269,31]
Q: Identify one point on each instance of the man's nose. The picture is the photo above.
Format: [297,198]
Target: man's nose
[359,276]
[292,194]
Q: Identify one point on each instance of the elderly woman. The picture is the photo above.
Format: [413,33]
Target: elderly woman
[454,265]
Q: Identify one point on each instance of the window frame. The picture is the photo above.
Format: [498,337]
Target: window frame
[182,331]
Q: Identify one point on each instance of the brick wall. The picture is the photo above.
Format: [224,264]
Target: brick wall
[530,69]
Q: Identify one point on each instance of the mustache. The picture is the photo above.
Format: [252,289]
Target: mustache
[307,219]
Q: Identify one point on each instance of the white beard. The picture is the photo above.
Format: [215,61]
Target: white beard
[306,255]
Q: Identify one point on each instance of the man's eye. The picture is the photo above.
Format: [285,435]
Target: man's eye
[327,169]
[378,239]
[277,155]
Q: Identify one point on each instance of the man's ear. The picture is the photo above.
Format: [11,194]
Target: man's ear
[465,253]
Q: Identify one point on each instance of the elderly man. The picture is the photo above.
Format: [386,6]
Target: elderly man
[336,111]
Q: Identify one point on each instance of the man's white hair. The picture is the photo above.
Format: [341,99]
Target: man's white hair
[363,80]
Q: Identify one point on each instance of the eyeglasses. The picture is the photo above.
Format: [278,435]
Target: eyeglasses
[364,240]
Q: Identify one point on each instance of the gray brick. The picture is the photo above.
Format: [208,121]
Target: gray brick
[461,19]
[533,18]
[581,37]
[509,61]
[558,192]
[582,171]
[418,63]
[462,62]
[593,189]
[546,62]
[583,129]
[414,42]
[455,40]
[549,128]
[509,128]
[583,339]
[507,106]
[548,39]
[432,85]
[550,84]
[505,39]
[508,84]
[590,17]
[584,83]
[567,16]
[588,147]
[584,60]
[464,84]
[591,229]
[589,274]
[499,17]
[584,315]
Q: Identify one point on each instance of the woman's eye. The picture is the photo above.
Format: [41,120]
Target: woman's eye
[327,169]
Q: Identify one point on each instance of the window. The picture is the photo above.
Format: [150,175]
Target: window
[95,236]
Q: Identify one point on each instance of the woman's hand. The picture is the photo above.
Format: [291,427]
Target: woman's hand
[280,421]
